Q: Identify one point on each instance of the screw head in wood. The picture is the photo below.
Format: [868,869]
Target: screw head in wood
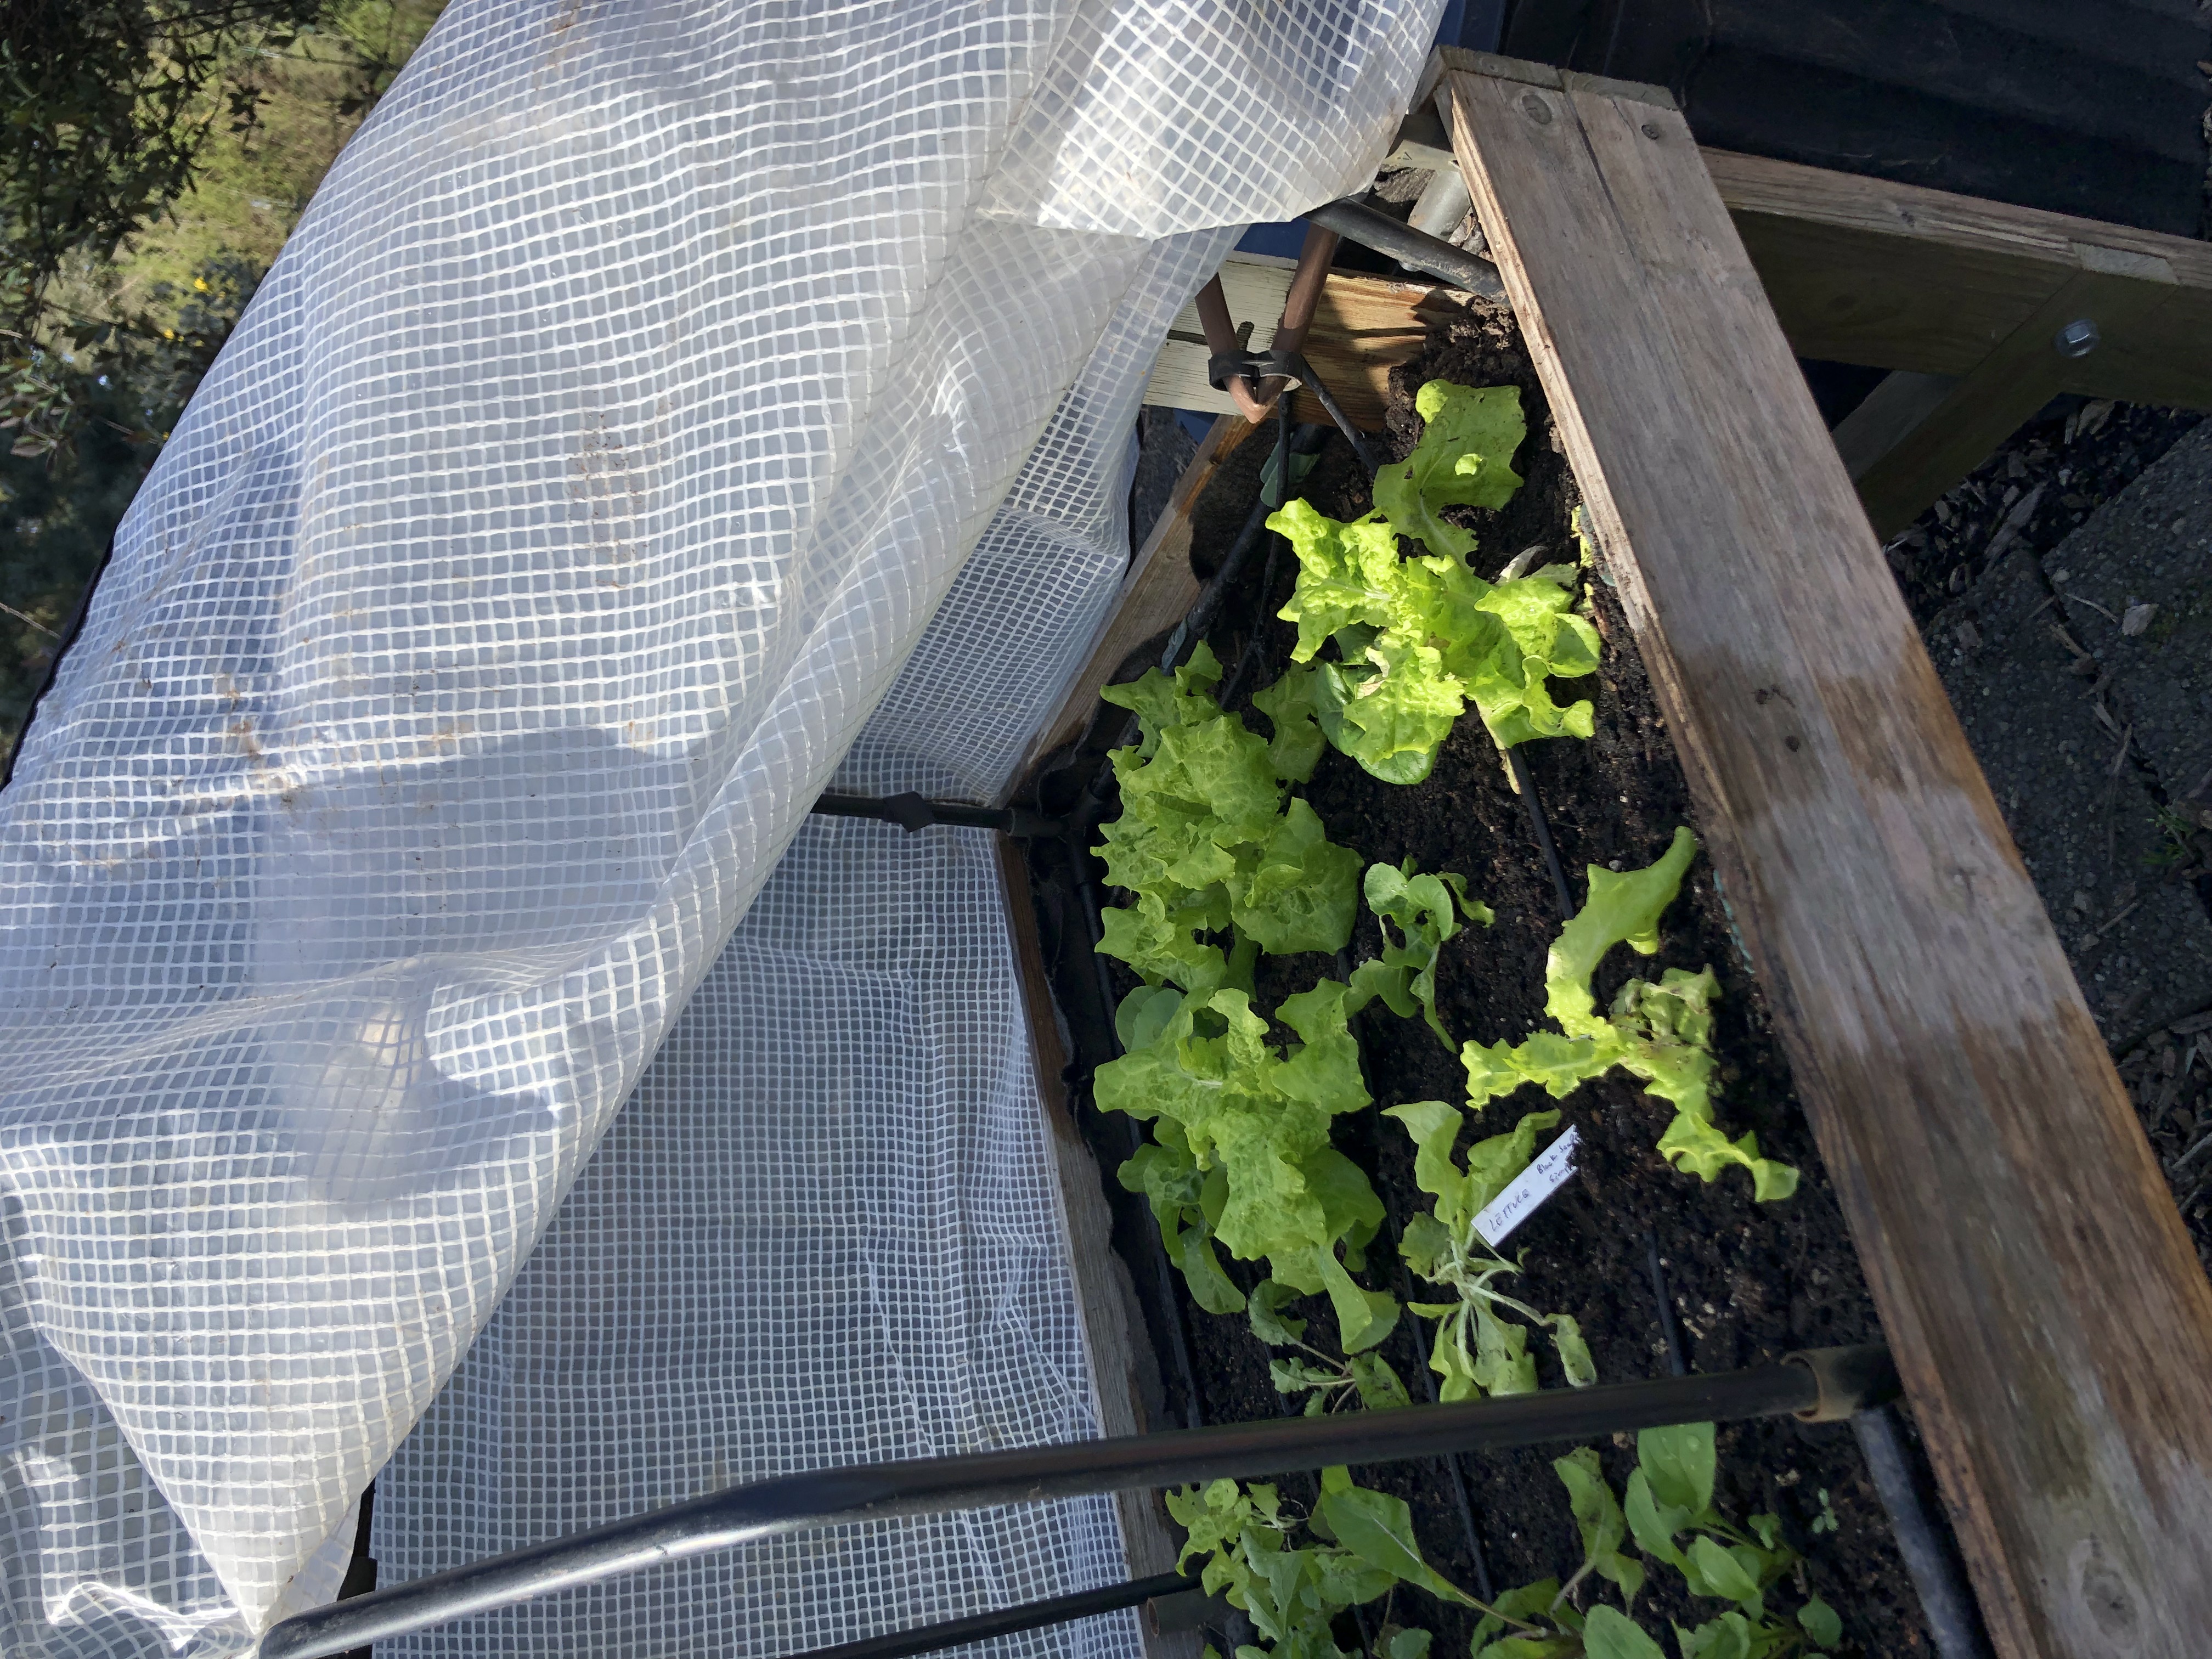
[1535,109]
[2077,340]
[1650,128]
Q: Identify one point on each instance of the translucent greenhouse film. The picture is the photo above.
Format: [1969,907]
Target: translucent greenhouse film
[666,409]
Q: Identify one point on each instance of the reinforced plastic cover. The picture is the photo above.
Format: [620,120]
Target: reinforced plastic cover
[664,405]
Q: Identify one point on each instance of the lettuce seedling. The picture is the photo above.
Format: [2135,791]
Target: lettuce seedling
[1464,458]
[1199,1068]
[1667,1508]
[1426,908]
[1659,1033]
[1416,639]
[1294,1574]
[1206,845]
[1476,1350]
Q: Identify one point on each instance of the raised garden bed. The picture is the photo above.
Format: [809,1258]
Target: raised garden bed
[2012,1228]
[1744,1281]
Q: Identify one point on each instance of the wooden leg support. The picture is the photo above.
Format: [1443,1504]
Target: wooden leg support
[1977,413]
[2047,1312]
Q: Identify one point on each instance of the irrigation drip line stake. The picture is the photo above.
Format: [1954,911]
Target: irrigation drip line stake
[1824,1384]
[1527,786]
[1676,1366]
[1010,1621]
[1237,366]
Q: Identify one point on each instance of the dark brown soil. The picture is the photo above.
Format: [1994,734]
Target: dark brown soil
[1748,1282]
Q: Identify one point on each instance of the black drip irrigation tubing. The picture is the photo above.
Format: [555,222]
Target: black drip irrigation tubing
[1823,1384]
[1356,222]
[1525,785]
[1669,1332]
[1009,1621]
[1463,1501]
[1903,1488]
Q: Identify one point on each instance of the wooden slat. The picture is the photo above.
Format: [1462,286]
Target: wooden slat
[1113,1333]
[1362,328]
[1862,270]
[1158,591]
[2051,1321]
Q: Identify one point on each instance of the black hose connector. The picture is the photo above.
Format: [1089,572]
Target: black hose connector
[1291,367]
[1356,222]
[911,812]
[1849,1380]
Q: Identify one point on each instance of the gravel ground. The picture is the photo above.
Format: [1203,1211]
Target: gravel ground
[2065,592]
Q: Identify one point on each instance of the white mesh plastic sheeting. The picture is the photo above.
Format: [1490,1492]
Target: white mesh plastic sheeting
[584,474]
[865,1260]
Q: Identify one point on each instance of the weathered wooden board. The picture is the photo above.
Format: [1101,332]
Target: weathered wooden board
[1862,270]
[1113,1332]
[1362,328]
[1156,594]
[2052,1324]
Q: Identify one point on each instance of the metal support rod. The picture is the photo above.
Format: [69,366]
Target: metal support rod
[1008,1621]
[911,812]
[1220,330]
[1825,1382]
[1356,222]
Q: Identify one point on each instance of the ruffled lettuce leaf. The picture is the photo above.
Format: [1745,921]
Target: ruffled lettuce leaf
[1256,1118]
[1206,844]
[1464,458]
[1426,909]
[1659,1033]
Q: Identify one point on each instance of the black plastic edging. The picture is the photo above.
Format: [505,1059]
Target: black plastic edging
[1832,1383]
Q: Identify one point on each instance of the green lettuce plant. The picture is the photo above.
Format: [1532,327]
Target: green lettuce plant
[1426,909]
[1417,639]
[1294,1574]
[1464,458]
[1477,1350]
[1667,1507]
[1241,1143]
[1206,844]
[1661,1033]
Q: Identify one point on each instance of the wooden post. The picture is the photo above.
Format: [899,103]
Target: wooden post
[1862,270]
[2050,1319]
[1158,593]
[1113,1330]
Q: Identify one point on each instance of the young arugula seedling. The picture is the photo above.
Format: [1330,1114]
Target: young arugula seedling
[1327,1382]
[1294,1574]
[1659,1033]
[1476,1350]
[1667,1508]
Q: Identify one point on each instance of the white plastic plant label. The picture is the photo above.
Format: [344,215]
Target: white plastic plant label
[1528,1189]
